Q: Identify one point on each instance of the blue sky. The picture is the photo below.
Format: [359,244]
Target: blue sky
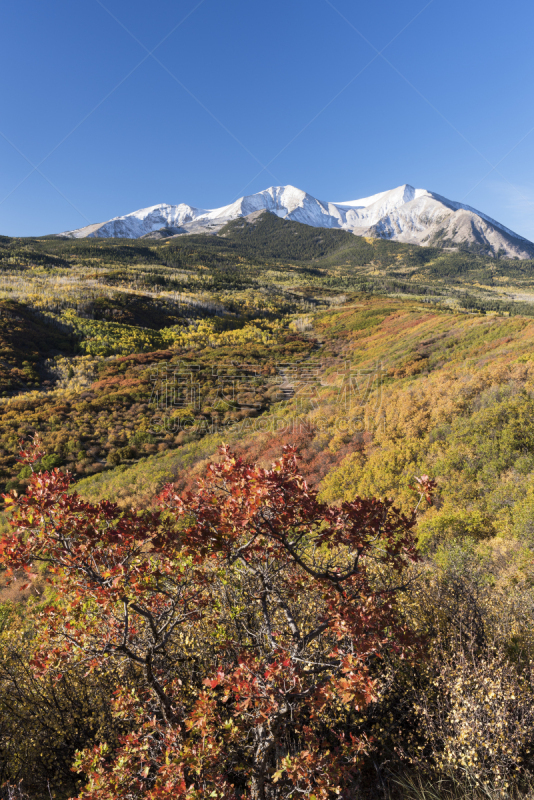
[122,104]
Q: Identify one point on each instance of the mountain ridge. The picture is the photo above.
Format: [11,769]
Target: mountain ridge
[403,214]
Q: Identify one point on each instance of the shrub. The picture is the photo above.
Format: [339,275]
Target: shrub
[113,458]
[478,718]
[248,615]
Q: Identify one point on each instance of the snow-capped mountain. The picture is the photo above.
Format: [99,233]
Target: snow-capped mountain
[403,214]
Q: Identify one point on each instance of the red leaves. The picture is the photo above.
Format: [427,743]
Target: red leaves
[214,682]
[272,507]
[247,612]
[427,487]
[32,453]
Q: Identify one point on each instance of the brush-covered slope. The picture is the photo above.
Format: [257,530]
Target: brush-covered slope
[430,392]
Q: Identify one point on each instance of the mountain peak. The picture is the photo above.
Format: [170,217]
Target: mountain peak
[403,214]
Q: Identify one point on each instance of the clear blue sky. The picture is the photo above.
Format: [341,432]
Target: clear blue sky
[342,99]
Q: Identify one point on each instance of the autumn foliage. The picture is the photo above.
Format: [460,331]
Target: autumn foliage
[245,619]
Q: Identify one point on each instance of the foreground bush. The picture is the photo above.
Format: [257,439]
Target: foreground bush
[247,620]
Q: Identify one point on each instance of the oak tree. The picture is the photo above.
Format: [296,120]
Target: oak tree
[247,618]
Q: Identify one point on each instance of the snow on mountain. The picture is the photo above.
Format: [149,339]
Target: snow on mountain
[136,224]
[287,202]
[403,214]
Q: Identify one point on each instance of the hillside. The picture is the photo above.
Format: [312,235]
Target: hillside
[116,296]
[106,313]
[381,363]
